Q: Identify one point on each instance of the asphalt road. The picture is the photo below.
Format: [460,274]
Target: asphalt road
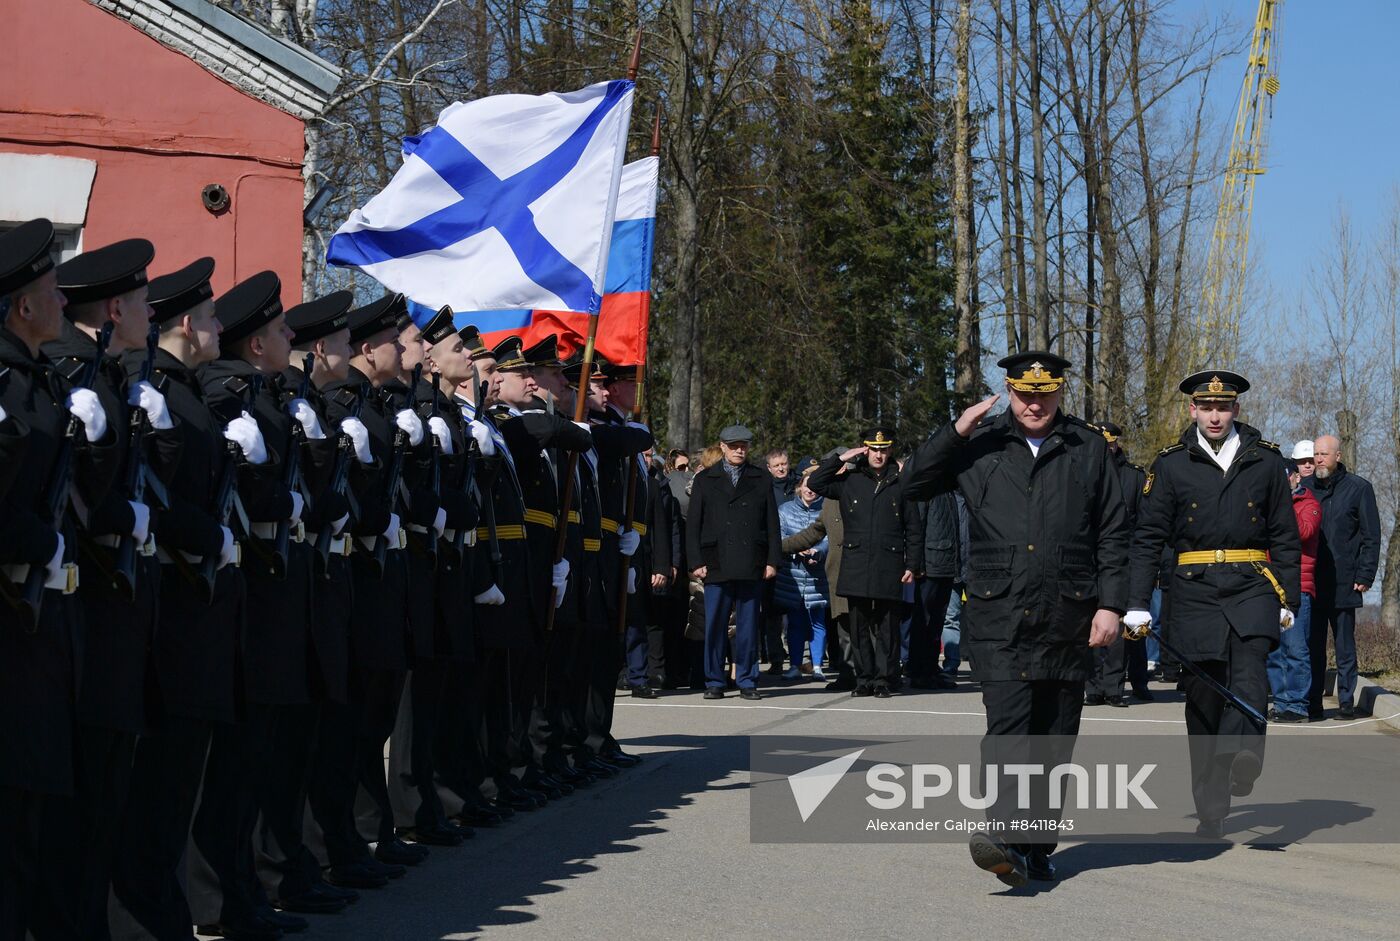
[663,852]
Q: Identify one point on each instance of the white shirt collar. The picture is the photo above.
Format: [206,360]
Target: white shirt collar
[1226,455]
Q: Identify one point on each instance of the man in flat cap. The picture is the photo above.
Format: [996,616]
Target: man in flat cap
[37,658]
[733,543]
[1220,499]
[1047,579]
[877,519]
[109,285]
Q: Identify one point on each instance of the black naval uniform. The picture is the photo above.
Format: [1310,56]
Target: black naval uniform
[1225,616]
[114,688]
[882,541]
[195,644]
[38,669]
[1048,547]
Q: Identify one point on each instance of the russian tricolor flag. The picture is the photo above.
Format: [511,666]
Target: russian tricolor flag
[622,321]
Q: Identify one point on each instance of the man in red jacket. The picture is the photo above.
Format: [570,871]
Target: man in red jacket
[1289,670]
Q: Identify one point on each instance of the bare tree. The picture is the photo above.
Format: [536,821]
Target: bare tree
[968,352]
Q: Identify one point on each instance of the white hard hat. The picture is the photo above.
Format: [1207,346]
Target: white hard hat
[1303,451]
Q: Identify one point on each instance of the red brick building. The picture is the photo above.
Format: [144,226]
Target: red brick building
[171,120]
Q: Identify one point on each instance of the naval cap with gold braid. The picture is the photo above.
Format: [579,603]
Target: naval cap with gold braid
[879,438]
[1034,371]
[1214,385]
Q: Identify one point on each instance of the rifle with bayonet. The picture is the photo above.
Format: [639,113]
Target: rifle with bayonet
[58,496]
[392,480]
[434,469]
[340,476]
[291,478]
[225,495]
[124,576]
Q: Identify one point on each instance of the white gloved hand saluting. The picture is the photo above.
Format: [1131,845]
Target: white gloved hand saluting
[408,422]
[244,432]
[482,436]
[628,542]
[491,596]
[87,408]
[438,426]
[1285,618]
[355,430]
[144,396]
[301,410]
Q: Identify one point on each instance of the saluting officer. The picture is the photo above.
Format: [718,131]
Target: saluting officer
[194,648]
[883,547]
[1047,573]
[109,284]
[1219,497]
[37,660]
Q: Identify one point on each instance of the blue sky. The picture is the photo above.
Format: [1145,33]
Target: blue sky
[1335,135]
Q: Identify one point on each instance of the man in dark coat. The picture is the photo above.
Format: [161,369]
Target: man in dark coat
[733,544]
[1220,498]
[38,659]
[881,552]
[940,564]
[1105,686]
[1348,555]
[1047,576]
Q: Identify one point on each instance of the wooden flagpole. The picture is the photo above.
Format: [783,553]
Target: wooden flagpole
[566,496]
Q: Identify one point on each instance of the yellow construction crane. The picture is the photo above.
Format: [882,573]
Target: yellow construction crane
[1222,300]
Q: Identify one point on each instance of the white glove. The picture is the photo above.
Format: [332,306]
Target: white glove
[1137,622]
[1285,618]
[409,422]
[440,522]
[628,541]
[298,504]
[244,432]
[226,551]
[491,596]
[144,395]
[87,408]
[55,565]
[631,581]
[482,436]
[3,414]
[355,430]
[392,532]
[339,525]
[585,426]
[302,411]
[438,426]
[560,578]
[142,527]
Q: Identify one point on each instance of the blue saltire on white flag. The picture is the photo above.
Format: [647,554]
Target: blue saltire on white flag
[506,204]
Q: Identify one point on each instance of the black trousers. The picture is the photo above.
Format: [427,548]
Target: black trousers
[33,871]
[1137,663]
[603,661]
[378,695]
[931,596]
[155,832]
[332,783]
[83,830]
[461,767]
[1109,663]
[554,712]
[224,822]
[875,641]
[838,647]
[1029,721]
[1218,732]
[284,738]
[413,754]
